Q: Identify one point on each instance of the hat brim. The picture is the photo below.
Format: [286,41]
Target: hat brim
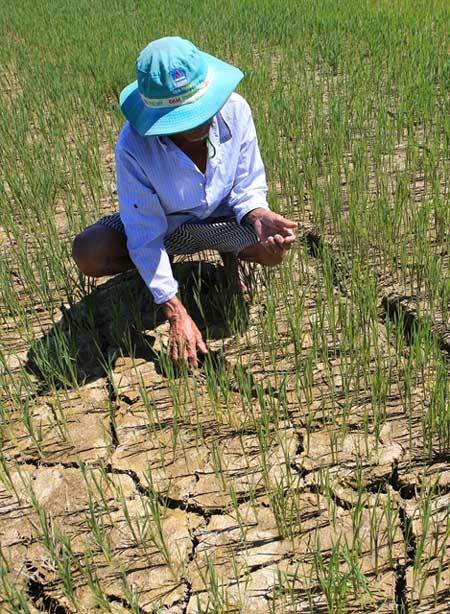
[159,122]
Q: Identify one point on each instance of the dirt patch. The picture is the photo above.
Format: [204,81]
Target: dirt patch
[260,481]
[256,568]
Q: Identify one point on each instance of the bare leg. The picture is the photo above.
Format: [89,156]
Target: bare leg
[231,272]
[236,275]
[100,251]
[259,254]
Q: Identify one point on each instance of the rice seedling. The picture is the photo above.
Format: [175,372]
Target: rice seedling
[348,339]
[13,597]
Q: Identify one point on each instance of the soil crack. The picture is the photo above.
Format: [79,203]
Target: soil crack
[36,590]
[187,582]
[112,398]
[163,500]
[394,307]
[401,600]
[124,603]
[39,462]
[409,539]
[317,490]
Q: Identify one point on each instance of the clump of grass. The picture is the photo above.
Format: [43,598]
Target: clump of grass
[349,100]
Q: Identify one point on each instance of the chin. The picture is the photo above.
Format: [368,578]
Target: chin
[198,138]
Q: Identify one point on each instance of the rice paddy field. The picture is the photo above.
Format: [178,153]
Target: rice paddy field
[305,466]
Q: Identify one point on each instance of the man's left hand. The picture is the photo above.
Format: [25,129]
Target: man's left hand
[275,232]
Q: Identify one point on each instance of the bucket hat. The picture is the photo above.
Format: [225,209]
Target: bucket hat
[178,87]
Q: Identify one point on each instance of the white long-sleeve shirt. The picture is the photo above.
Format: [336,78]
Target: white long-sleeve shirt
[160,188]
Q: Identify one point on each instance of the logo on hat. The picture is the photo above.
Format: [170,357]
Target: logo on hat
[179,77]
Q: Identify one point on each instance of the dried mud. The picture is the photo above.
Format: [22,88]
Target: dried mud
[159,490]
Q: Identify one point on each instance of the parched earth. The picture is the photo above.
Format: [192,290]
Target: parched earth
[268,480]
[272,479]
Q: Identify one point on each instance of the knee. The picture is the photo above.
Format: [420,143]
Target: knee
[271,260]
[258,253]
[85,254]
[80,254]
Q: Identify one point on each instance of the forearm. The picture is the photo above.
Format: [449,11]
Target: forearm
[153,264]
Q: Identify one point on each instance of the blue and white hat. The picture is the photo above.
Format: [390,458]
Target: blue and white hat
[178,87]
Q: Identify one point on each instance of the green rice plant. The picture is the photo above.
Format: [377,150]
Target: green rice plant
[428,527]
[58,546]
[217,380]
[155,531]
[60,419]
[219,469]
[97,528]
[6,478]
[244,526]
[339,576]
[131,595]
[97,481]
[133,524]
[391,515]
[286,508]
[436,420]
[55,359]
[13,598]
[87,567]
[152,528]
[33,430]
[350,104]
[217,596]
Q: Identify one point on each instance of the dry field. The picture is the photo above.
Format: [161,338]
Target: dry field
[305,466]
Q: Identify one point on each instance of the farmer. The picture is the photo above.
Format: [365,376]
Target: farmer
[189,177]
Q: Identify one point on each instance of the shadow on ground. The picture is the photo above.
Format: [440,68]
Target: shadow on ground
[117,319]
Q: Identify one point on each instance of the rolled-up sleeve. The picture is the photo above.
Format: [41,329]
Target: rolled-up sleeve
[145,225]
[250,187]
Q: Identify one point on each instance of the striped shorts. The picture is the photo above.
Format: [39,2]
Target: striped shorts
[223,234]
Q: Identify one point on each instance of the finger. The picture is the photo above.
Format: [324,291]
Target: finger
[181,353]
[274,247]
[290,234]
[284,242]
[269,245]
[279,241]
[201,345]
[174,352]
[288,241]
[187,352]
[191,354]
[193,360]
[288,223]
[283,222]
[286,233]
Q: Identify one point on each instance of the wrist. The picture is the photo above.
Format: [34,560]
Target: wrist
[173,309]
[253,215]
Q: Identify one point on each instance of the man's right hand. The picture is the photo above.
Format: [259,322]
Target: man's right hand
[185,340]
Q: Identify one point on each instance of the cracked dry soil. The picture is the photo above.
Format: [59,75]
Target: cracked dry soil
[137,492]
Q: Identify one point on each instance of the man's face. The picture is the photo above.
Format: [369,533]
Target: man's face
[199,133]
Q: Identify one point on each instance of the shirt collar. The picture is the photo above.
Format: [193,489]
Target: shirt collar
[224,129]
